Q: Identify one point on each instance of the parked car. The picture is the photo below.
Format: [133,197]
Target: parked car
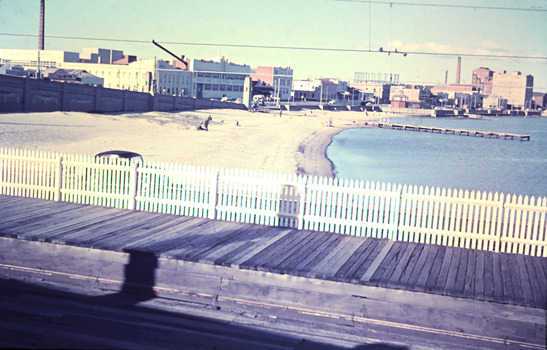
[132,156]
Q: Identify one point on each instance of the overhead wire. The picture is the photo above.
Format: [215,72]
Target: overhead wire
[474,7]
[275,47]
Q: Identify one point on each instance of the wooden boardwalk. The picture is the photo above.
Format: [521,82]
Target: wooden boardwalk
[479,275]
[441,130]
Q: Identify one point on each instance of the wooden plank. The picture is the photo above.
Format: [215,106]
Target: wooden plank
[371,270]
[187,238]
[414,265]
[420,284]
[541,290]
[419,266]
[516,284]
[347,271]
[252,241]
[388,263]
[114,240]
[479,275]
[199,237]
[146,231]
[278,251]
[469,284]
[452,272]
[402,264]
[313,242]
[256,249]
[234,236]
[506,278]
[524,278]
[459,283]
[497,277]
[101,228]
[159,232]
[317,255]
[43,232]
[337,257]
[436,269]
[488,276]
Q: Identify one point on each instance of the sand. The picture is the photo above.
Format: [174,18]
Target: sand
[293,143]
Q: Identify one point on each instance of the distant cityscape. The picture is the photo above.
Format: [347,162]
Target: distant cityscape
[221,79]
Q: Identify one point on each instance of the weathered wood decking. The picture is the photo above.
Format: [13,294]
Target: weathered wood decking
[480,275]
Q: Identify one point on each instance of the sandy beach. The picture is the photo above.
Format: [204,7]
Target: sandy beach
[294,142]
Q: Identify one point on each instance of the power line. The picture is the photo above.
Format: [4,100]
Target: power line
[446,5]
[301,48]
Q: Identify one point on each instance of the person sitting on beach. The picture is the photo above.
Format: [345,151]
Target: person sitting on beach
[205,125]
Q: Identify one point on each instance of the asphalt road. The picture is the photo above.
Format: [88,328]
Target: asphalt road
[44,314]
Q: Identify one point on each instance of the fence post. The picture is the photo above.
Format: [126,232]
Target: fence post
[303,197]
[213,195]
[58,178]
[133,186]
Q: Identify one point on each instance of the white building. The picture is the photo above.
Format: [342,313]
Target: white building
[218,78]
[321,90]
[145,75]
[516,88]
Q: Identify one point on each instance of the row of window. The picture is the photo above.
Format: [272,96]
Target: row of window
[221,76]
[222,87]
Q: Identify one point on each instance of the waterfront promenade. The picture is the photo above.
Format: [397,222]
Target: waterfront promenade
[328,274]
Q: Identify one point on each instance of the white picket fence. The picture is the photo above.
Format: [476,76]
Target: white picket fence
[477,220]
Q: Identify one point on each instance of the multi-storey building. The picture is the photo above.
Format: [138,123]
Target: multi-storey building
[321,90]
[218,78]
[415,96]
[482,80]
[279,78]
[516,88]
[378,91]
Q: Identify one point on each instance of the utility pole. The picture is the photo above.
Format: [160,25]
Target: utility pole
[42,23]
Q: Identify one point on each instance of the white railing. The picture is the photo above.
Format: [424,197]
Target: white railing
[477,220]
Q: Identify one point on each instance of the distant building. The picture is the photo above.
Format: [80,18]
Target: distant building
[516,88]
[14,70]
[321,90]
[373,77]
[494,102]
[482,80]
[218,78]
[414,96]
[540,99]
[374,92]
[74,76]
[279,78]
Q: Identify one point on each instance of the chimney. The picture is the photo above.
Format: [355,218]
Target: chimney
[446,77]
[42,20]
[458,70]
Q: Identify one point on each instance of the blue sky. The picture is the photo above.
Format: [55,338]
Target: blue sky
[338,26]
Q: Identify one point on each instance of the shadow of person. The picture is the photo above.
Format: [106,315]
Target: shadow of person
[140,275]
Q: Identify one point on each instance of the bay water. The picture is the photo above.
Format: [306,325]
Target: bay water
[445,160]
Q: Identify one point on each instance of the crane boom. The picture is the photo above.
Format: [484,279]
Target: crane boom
[181,58]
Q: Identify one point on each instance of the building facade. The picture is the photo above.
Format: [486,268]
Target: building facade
[374,92]
[279,78]
[218,78]
[515,87]
[322,90]
[414,96]
[482,80]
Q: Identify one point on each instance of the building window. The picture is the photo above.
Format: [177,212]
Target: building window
[207,87]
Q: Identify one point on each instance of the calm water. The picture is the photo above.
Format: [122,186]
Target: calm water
[451,161]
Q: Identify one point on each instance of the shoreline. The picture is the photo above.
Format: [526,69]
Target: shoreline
[294,143]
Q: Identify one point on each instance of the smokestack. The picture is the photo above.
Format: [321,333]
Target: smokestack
[446,77]
[458,70]
[42,20]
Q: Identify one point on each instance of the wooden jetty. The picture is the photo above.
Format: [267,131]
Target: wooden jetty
[441,130]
